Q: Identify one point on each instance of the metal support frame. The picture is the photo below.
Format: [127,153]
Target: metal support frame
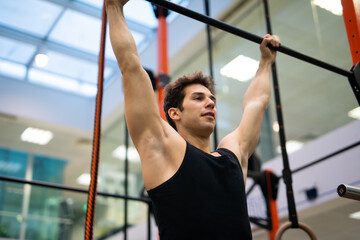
[351,15]
[268,183]
[210,55]
[162,48]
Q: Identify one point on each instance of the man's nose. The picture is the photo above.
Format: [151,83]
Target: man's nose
[210,103]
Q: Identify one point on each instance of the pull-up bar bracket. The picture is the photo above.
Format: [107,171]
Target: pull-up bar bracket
[354,80]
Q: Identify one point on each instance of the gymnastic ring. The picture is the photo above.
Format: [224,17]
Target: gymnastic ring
[302,226]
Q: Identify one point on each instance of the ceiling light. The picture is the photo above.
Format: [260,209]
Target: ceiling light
[276,126]
[355,113]
[119,153]
[56,81]
[84,179]
[41,60]
[355,215]
[88,89]
[241,68]
[291,146]
[37,136]
[333,6]
[12,69]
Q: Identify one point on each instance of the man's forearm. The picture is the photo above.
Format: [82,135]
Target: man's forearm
[121,38]
[260,88]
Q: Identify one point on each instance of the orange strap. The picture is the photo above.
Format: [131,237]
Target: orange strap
[162,59]
[351,15]
[90,214]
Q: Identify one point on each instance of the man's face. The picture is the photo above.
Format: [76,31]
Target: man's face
[199,111]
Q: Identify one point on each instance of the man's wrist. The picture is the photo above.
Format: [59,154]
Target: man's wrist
[265,63]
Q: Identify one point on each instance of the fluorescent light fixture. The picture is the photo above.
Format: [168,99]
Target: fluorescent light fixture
[291,146]
[88,89]
[276,126]
[355,215]
[355,113]
[52,80]
[242,68]
[41,60]
[37,136]
[119,153]
[333,6]
[84,179]
[12,69]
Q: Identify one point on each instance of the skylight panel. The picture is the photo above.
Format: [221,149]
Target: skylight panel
[38,20]
[94,3]
[16,51]
[12,69]
[82,32]
[78,30]
[141,11]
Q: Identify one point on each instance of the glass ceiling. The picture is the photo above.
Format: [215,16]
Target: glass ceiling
[68,34]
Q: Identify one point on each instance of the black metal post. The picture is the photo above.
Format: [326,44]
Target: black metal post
[211,68]
[286,172]
[126,179]
[149,221]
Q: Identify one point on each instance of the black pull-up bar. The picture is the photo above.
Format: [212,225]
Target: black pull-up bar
[249,36]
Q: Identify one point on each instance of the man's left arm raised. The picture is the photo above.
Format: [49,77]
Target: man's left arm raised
[243,140]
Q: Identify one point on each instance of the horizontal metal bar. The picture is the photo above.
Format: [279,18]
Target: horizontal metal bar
[348,191]
[72,189]
[249,36]
[326,157]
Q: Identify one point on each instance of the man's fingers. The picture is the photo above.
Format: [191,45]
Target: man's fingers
[273,40]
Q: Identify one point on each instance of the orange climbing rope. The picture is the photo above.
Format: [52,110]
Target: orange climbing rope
[90,213]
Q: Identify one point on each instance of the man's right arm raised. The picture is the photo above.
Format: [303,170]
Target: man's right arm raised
[152,136]
[142,114]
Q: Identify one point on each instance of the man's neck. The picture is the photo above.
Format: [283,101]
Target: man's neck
[202,143]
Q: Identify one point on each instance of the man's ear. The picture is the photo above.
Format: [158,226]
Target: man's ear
[174,113]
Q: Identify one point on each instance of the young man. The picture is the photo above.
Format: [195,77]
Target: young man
[197,194]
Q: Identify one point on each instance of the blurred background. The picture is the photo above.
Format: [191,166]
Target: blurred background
[48,83]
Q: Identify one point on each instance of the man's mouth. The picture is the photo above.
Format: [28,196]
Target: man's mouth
[209,114]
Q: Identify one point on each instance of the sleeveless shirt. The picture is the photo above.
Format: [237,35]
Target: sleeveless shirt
[204,199]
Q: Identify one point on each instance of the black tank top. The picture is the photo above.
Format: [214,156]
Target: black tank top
[205,199]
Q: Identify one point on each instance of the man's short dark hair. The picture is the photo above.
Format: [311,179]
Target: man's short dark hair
[174,92]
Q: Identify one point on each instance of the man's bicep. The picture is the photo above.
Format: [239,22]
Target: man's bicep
[243,140]
[249,128]
[141,109]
